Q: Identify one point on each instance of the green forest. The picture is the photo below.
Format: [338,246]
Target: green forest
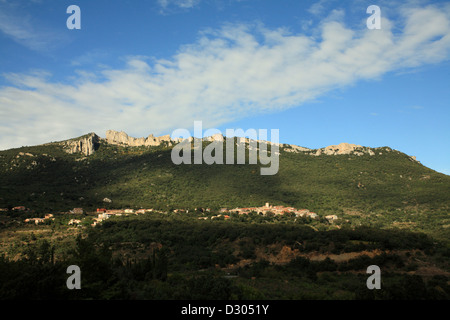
[174,256]
[392,212]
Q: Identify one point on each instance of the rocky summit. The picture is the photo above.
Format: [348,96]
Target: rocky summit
[121,138]
[88,144]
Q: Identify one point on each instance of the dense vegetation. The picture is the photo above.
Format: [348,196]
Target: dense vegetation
[162,256]
[386,203]
[146,177]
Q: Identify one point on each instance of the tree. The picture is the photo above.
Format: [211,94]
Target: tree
[45,252]
[160,264]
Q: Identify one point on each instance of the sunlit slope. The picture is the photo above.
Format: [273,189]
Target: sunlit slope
[47,178]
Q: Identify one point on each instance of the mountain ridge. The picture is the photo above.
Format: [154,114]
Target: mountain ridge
[90,165]
[89,143]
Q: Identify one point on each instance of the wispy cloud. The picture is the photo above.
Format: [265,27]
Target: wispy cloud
[319,7]
[25,30]
[229,73]
[183,4]
[90,57]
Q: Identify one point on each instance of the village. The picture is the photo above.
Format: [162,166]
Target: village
[102,214]
[268,209]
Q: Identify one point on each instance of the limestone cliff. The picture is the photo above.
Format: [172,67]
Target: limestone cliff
[86,144]
[345,148]
[121,138]
[332,150]
[89,143]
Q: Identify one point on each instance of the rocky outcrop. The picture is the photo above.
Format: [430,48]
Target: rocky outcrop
[87,144]
[294,148]
[344,148]
[215,137]
[340,149]
[121,138]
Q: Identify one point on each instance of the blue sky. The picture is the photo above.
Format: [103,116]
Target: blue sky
[311,69]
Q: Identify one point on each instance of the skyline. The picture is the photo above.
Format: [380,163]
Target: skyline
[312,70]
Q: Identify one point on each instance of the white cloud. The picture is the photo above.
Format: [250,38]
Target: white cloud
[318,7]
[178,3]
[226,75]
